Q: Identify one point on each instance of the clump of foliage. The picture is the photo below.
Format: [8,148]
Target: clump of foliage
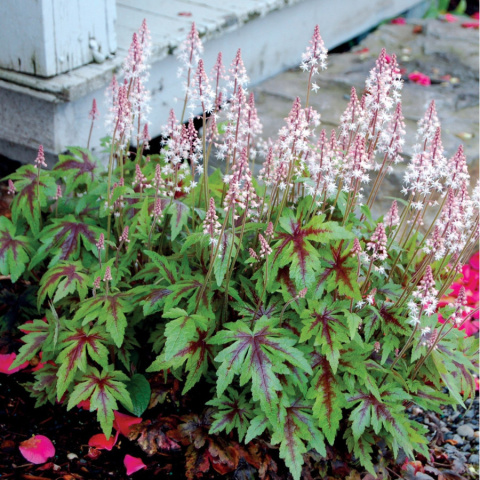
[308,320]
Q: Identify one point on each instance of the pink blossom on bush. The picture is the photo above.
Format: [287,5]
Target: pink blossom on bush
[420,78]
[469,281]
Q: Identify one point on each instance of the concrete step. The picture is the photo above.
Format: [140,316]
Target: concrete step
[271,33]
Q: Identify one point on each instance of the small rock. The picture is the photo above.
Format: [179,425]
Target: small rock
[454,416]
[417,411]
[466,431]
[458,439]
[473,459]
[470,413]
[422,476]
[476,434]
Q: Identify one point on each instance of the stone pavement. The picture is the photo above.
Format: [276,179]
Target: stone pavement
[438,50]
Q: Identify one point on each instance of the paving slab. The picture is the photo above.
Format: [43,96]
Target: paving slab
[438,49]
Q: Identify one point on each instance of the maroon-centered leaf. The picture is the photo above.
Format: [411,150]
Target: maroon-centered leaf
[61,280]
[188,287]
[108,309]
[44,388]
[77,169]
[75,344]
[340,273]
[376,412]
[296,434]
[13,250]
[321,322]
[186,341]
[294,246]
[64,238]
[104,390]
[329,399]
[233,411]
[257,355]
[32,194]
[40,334]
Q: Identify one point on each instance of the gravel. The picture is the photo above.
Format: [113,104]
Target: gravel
[455,431]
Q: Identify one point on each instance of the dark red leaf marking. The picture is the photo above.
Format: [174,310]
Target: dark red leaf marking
[324,385]
[71,232]
[343,273]
[68,271]
[298,238]
[85,166]
[7,242]
[82,339]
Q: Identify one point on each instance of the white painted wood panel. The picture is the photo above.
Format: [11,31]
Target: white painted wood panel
[49,37]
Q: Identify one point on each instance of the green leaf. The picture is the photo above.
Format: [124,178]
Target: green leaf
[75,342]
[257,355]
[62,280]
[33,189]
[104,390]
[13,250]
[329,399]
[297,434]
[234,411]
[179,213]
[140,392]
[77,168]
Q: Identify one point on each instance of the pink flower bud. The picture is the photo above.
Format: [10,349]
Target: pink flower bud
[40,160]
[11,188]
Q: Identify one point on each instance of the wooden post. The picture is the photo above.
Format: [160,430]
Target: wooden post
[49,37]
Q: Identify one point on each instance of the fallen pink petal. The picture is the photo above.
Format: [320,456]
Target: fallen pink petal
[473,25]
[85,404]
[448,17]
[37,449]
[100,441]
[123,422]
[6,361]
[133,464]
[399,21]
[419,78]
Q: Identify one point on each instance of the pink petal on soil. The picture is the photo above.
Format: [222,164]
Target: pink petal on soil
[133,464]
[7,360]
[123,422]
[85,404]
[37,449]
[100,441]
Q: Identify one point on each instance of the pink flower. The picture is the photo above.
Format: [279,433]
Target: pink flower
[398,21]
[420,78]
[37,449]
[94,111]
[133,464]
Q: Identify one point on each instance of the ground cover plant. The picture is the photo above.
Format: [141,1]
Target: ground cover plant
[303,320]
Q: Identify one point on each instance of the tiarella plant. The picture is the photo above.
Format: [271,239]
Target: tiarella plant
[309,321]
